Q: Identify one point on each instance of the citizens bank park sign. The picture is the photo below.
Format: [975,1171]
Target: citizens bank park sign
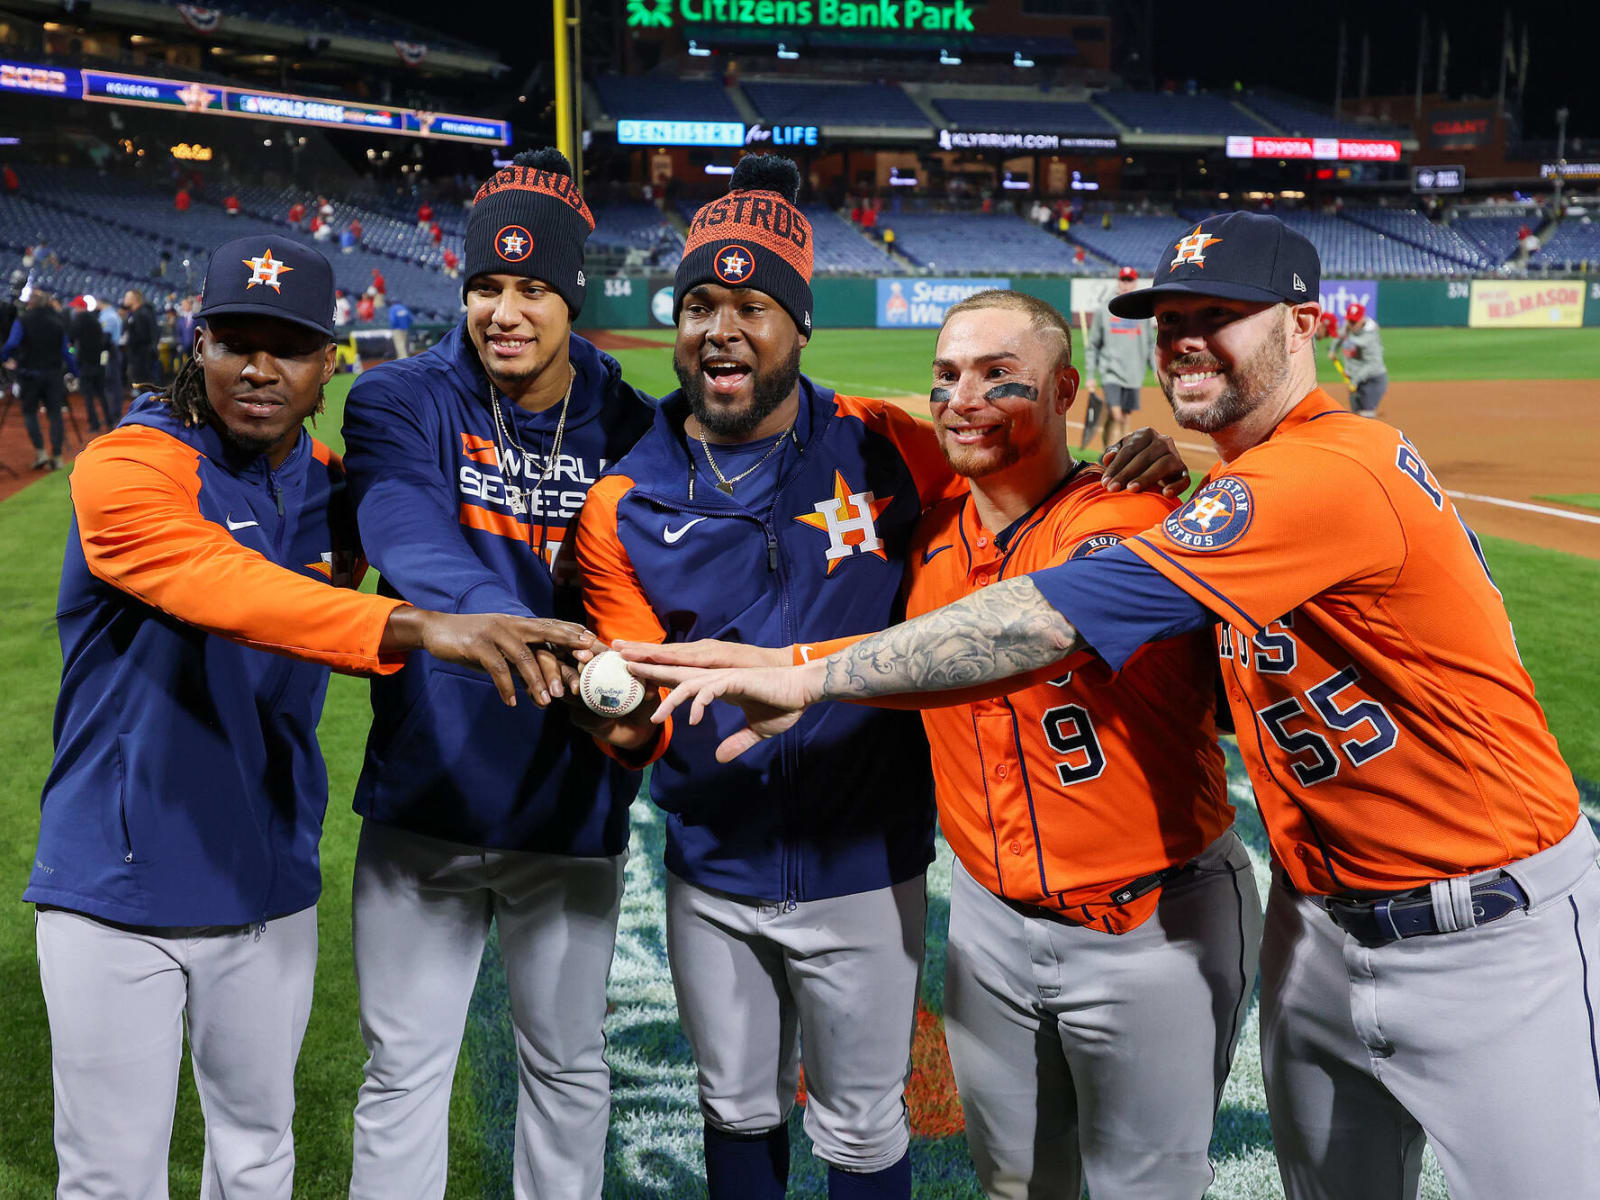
[922,15]
[1327,149]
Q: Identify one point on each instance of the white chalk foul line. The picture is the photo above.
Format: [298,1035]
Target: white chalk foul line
[1542,509]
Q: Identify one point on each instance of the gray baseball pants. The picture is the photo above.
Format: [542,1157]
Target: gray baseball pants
[758,981]
[120,1001]
[421,917]
[1083,1054]
[1483,1041]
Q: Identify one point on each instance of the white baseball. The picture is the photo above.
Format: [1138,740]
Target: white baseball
[608,687]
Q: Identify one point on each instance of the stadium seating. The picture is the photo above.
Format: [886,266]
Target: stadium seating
[1303,120]
[971,242]
[1042,116]
[1347,248]
[839,247]
[1575,243]
[834,104]
[1172,112]
[1410,225]
[1134,239]
[636,232]
[662,98]
[339,19]
[1495,237]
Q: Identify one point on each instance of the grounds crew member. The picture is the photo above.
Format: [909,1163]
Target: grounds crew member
[38,351]
[204,598]
[467,464]
[1117,354]
[1435,911]
[1360,349]
[764,508]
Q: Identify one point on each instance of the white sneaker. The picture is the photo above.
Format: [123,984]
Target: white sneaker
[41,461]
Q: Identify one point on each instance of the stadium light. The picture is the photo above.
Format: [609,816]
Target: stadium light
[946,59]
[716,169]
[696,51]
[1018,61]
[785,52]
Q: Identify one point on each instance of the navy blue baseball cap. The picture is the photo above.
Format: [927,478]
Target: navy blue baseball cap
[1235,255]
[265,275]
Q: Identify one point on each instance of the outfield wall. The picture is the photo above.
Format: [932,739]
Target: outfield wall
[919,302]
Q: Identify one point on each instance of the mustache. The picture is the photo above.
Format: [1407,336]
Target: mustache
[1202,362]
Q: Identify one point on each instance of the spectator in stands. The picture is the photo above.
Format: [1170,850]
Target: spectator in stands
[379,285]
[1078,256]
[366,311]
[181,201]
[869,221]
[341,308]
[424,215]
[436,233]
[163,263]
[116,386]
[1062,225]
[400,321]
[37,350]
[888,239]
[297,214]
[451,262]
[140,337]
[325,209]
[13,184]
[355,229]
[347,241]
[1105,219]
[88,341]
[323,231]
[230,205]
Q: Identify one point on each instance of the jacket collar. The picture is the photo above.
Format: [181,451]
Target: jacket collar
[151,411]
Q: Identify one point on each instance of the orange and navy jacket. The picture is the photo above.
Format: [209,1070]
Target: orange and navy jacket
[1386,719]
[841,803]
[203,600]
[454,517]
[1068,791]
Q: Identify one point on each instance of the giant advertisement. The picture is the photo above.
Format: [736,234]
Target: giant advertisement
[921,303]
[1526,303]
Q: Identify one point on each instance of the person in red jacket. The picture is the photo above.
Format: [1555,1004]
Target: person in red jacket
[378,283]
[181,200]
[425,215]
[297,213]
[451,262]
[436,233]
[355,228]
[231,205]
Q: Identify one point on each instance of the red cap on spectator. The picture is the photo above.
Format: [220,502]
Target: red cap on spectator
[1355,313]
[1128,273]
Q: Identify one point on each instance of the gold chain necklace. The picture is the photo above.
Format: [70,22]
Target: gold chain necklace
[725,485]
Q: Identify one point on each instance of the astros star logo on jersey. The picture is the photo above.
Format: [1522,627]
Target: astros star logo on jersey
[849,519]
[265,269]
[1192,249]
[513,243]
[1216,516]
[734,265]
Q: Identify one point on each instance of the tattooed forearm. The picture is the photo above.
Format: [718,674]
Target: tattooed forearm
[1001,631]
[1015,388]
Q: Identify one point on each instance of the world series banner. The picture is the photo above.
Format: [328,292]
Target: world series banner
[921,303]
[1526,304]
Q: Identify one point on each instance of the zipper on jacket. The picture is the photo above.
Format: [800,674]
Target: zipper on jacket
[127,838]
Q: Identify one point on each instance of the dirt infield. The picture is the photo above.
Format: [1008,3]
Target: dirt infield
[16,455]
[606,339]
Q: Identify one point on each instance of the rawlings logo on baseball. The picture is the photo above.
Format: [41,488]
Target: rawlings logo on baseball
[607,687]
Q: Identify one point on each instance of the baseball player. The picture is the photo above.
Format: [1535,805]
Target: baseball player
[206,593]
[1117,353]
[765,508]
[37,350]
[467,463]
[1359,354]
[1101,905]
[1435,913]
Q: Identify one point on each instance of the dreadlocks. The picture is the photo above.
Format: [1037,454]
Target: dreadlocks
[186,394]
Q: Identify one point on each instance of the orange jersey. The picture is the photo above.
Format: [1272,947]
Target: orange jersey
[1062,792]
[1389,726]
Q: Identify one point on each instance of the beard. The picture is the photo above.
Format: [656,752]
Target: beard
[1244,387]
[770,389]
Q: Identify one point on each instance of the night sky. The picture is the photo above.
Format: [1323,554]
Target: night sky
[1295,51]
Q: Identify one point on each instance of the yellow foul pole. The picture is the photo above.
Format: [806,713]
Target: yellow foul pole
[566,142]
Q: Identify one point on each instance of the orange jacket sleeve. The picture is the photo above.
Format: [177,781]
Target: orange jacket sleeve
[915,439]
[615,604]
[136,496]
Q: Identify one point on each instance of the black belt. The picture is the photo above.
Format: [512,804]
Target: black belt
[1125,894]
[1411,914]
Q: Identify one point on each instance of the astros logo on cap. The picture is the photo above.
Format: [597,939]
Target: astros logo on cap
[1216,516]
[513,243]
[1192,249]
[265,269]
[734,264]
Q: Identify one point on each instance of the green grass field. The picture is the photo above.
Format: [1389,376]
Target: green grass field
[654,1145]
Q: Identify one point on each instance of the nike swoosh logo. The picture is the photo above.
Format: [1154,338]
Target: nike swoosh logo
[232,524]
[929,555]
[671,536]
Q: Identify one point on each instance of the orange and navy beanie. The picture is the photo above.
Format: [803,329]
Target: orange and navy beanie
[530,220]
[754,237]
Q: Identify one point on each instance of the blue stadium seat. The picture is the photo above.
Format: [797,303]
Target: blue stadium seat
[1040,116]
[1173,112]
[834,104]
[660,98]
